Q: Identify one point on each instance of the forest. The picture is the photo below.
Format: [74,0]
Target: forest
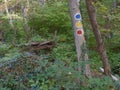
[59,45]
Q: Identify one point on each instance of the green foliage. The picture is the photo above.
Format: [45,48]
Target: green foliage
[8,55]
[37,38]
[3,49]
[64,52]
[57,69]
[48,74]
[51,18]
[106,84]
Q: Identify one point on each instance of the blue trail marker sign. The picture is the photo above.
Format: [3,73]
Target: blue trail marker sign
[77,16]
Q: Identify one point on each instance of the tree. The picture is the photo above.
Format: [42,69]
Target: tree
[115,3]
[98,37]
[1,35]
[25,15]
[10,21]
[79,37]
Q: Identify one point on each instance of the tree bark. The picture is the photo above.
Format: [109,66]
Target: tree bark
[98,37]
[80,43]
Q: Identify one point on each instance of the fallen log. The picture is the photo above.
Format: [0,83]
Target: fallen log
[42,45]
[36,46]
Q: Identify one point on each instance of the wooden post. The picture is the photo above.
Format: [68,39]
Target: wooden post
[80,43]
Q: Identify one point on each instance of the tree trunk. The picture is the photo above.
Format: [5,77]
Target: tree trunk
[115,3]
[80,43]
[1,36]
[101,46]
[25,15]
[43,2]
[10,22]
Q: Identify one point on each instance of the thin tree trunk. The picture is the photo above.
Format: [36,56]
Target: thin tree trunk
[8,15]
[101,46]
[11,22]
[26,26]
[2,36]
[43,2]
[115,3]
[80,43]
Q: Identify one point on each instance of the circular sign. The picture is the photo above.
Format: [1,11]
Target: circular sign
[78,24]
[77,16]
[79,32]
